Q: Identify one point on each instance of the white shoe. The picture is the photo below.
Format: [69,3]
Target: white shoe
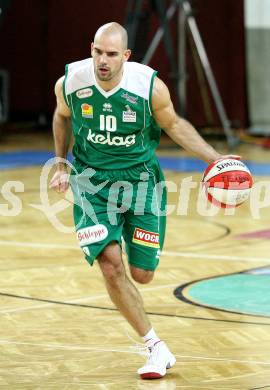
[160,358]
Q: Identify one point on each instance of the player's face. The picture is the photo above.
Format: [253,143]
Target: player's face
[108,56]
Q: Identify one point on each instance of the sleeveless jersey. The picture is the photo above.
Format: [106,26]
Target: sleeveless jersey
[113,129]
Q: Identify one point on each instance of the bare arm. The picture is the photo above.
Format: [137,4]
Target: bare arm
[178,129]
[62,135]
[61,122]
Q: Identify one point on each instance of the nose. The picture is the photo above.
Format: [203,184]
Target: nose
[103,58]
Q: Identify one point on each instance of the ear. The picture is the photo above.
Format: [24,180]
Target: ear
[127,54]
[92,46]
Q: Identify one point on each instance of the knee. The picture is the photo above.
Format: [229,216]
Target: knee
[112,268]
[111,272]
[141,275]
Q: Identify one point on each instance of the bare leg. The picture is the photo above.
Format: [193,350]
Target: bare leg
[122,291]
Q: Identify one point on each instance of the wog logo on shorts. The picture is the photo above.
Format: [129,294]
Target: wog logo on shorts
[92,234]
[143,237]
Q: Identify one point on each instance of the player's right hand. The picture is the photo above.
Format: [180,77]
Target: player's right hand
[60,181]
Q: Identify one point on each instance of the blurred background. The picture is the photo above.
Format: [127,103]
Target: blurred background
[37,39]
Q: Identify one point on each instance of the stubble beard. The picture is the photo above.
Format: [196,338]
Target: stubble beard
[109,76]
[106,77]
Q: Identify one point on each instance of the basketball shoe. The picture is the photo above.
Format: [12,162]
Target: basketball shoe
[159,360]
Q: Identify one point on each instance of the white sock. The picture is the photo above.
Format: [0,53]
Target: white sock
[151,335]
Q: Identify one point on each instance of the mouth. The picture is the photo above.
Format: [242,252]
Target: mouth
[103,70]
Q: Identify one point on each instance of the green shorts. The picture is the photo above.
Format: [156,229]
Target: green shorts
[128,204]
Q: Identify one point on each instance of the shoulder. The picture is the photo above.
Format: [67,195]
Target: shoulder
[161,95]
[163,110]
[62,107]
[59,86]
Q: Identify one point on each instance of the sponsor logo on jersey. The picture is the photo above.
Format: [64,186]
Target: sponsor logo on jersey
[146,238]
[87,110]
[129,98]
[129,115]
[111,140]
[83,93]
[92,234]
[107,107]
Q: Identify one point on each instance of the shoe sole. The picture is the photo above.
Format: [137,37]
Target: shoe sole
[151,375]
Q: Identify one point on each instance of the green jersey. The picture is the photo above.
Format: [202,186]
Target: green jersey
[113,129]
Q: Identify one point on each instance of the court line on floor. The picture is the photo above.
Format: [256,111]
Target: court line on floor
[44,305]
[170,315]
[193,255]
[80,300]
[131,350]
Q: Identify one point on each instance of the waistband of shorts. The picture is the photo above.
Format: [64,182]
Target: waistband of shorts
[132,173]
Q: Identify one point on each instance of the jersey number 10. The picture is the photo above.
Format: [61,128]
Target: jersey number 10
[108,122]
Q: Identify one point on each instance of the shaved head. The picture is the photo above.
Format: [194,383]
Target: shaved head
[109,52]
[113,29]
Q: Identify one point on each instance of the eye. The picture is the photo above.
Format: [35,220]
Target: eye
[98,51]
[112,54]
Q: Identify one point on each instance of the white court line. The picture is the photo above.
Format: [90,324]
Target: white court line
[122,350]
[68,347]
[193,255]
[79,300]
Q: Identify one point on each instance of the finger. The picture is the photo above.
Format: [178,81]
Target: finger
[229,156]
[54,183]
[63,186]
[234,156]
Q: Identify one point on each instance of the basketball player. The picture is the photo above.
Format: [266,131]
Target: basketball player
[116,109]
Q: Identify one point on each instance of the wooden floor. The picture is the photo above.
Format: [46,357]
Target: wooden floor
[59,329]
